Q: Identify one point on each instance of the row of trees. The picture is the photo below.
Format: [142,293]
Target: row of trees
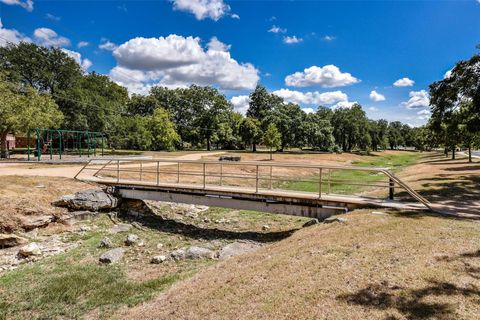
[44,87]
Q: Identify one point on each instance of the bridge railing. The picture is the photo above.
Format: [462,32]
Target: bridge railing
[257,176]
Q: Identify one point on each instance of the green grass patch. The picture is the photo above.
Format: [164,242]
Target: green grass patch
[45,291]
[338,178]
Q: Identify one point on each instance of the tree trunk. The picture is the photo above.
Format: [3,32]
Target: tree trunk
[469,153]
[208,144]
[446,152]
[254,147]
[271,154]
[3,144]
[453,152]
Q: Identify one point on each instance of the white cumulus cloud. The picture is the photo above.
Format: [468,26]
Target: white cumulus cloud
[449,72]
[26,4]
[404,82]
[177,61]
[10,36]
[48,37]
[308,110]
[275,29]
[107,45]
[418,99]
[202,9]
[84,63]
[82,44]
[240,103]
[327,76]
[424,114]
[329,38]
[344,104]
[292,40]
[311,97]
[375,96]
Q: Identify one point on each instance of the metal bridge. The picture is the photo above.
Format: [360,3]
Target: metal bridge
[301,189]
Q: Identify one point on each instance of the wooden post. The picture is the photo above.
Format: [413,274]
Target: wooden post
[118,171]
[141,170]
[158,173]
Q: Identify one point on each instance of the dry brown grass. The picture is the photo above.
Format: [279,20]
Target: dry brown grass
[452,184]
[396,266]
[26,196]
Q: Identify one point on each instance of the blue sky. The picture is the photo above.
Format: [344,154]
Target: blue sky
[310,52]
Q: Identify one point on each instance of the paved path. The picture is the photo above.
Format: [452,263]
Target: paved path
[69,171]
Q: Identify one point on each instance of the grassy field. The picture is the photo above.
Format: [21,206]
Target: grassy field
[394,162]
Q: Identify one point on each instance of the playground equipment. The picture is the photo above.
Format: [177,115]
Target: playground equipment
[63,139]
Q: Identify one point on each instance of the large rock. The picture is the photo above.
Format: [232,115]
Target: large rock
[11,240]
[31,249]
[132,239]
[73,217]
[236,248]
[92,200]
[122,227]
[335,219]
[199,253]
[178,254]
[32,222]
[112,256]
[158,259]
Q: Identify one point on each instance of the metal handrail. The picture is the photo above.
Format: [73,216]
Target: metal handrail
[393,181]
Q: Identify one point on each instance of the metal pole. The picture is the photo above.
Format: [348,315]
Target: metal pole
[329,178]
[158,173]
[221,174]
[178,172]
[118,171]
[60,143]
[320,184]
[256,181]
[38,144]
[270,183]
[103,143]
[204,178]
[391,189]
[50,141]
[28,145]
[88,145]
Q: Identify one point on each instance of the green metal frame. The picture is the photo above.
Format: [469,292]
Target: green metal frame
[77,137]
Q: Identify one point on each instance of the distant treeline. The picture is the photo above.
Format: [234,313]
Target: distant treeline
[44,87]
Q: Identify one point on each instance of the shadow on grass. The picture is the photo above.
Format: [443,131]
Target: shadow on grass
[156,222]
[412,303]
[461,192]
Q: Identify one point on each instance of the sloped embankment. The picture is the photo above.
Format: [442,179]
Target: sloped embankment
[374,266]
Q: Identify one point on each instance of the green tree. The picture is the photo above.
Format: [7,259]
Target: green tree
[250,132]
[351,128]
[45,69]
[164,135]
[455,105]
[272,138]
[395,138]
[22,108]
[318,132]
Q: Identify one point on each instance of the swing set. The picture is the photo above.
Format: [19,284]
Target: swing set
[65,141]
